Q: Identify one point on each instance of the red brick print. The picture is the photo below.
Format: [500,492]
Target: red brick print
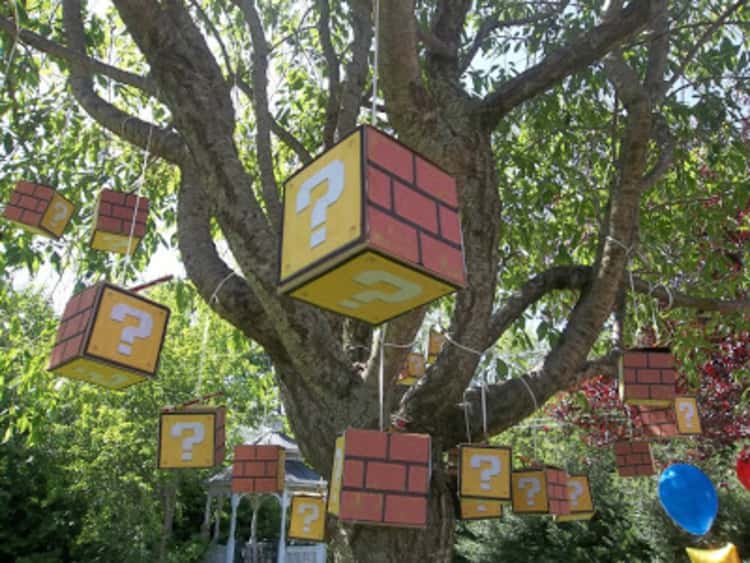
[110,196]
[635,359]
[253,469]
[637,392]
[442,259]
[378,187]
[392,236]
[25,187]
[142,203]
[13,213]
[41,206]
[123,212]
[664,392]
[244,452]
[418,479]
[406,510]
[266,485]
[105,208]
[44,192]
[28,202]
[31,218]
[15,199]
[87,298]
[390,155]
[415,207]
[622,448]
[386,476]
[73,346]
[621,460]
[272,468]
[649,376]
[627,471]
[267,452]
[410,447]
[668,376]
[109,225]
[242,485]
[450,227]
[661,360]
[354,473]
[361,506]
[640,447]
[436,182]
[365,443]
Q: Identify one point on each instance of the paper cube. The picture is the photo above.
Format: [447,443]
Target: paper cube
[633,458]
[370,230]
[39,209]
[258,469]
[381,479]
[647,377]
[308,522]
[435,345]
[115,217]
[580,499]
[688,418]
[540,490]
[413,370]
[191,437]
[109,336]
[479,509]
[484,472]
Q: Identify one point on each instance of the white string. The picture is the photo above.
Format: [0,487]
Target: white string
[628,249]
[215,295]
[528,388]
[394,345]
[381,376]
[466,406]
[484,408]
[373,115]
[462,347]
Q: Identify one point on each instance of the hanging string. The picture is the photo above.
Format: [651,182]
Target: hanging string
[536,408]
[483,391]
[373,115]
[139,184]
[467,419]
[215,295]
[462,347]
[381,402]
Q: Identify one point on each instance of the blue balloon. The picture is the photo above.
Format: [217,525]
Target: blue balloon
[688,497]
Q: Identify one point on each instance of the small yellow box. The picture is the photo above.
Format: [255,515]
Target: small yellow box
[580,499]
[191,438]
[484,472]
[308,518]
[480,509]
[688,418]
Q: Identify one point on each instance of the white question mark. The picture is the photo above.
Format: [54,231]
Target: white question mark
[333,173]
[112,380]
[130,333]
[481,508]
[687,408]
[199,433]
[533,488]
[576,493]
[310,514]
[61,212]
[486,474]
[406,289]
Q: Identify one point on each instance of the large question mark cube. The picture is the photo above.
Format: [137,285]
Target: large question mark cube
[381,479]
[484,472]
[647,377]
[258,469]
[115,217]
[413,369]
[191,437]
[370,230]
[633,458]
[39,209]
[540,490]
[658,422]
[109,336]
[580,499]
[688,419]
[479,509]
[308,521]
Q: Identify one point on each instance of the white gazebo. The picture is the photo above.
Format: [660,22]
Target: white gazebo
[298,478]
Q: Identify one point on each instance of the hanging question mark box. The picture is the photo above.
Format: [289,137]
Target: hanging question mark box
[191,437]
[484,472]
[381,478]
[633,458]
[580,499]
[39,209]
[258,469]
[370,230]
[540,490]
[115,216]
[109,336]
[308,522]
[688,418]
[647,377]
[413,369]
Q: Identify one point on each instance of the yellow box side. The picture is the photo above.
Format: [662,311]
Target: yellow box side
[485,473]
[475,509]
[579,494]
[58,213]
[337,473]
[308,518]
[187,440]
[99,373]
[110,242]
[530,492]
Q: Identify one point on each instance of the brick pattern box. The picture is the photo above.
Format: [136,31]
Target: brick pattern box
[647,377]
[39,209]
[371,230]
[114,217]
[258,469]
[191,437]
[384,478]
[658,422]
[109,336]
[540,490]
[633,458]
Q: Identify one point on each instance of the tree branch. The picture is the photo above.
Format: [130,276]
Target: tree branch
[567,60]
[357,68]
[332,63]
[89,64]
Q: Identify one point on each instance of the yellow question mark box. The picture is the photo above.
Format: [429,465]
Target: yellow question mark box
[530,491]
[308,518]
[191,438]
[484,472]
[686,412]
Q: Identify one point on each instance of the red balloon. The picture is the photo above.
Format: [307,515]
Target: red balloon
[743,468]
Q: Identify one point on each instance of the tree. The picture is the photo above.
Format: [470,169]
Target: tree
[578,179]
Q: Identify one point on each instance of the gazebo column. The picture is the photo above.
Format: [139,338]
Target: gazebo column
[232,528]
[281,558]
[256,502]
[217,522]
[206,525]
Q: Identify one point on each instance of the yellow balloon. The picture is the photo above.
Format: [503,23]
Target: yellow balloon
[726,554]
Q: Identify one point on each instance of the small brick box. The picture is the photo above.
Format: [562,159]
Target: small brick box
[648,377]
[258,469]
[633,458]
[109,336]
[191,437]
[371,230]
[39,209]
[658,422]
[384,479]
[114,220]
[540,490]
